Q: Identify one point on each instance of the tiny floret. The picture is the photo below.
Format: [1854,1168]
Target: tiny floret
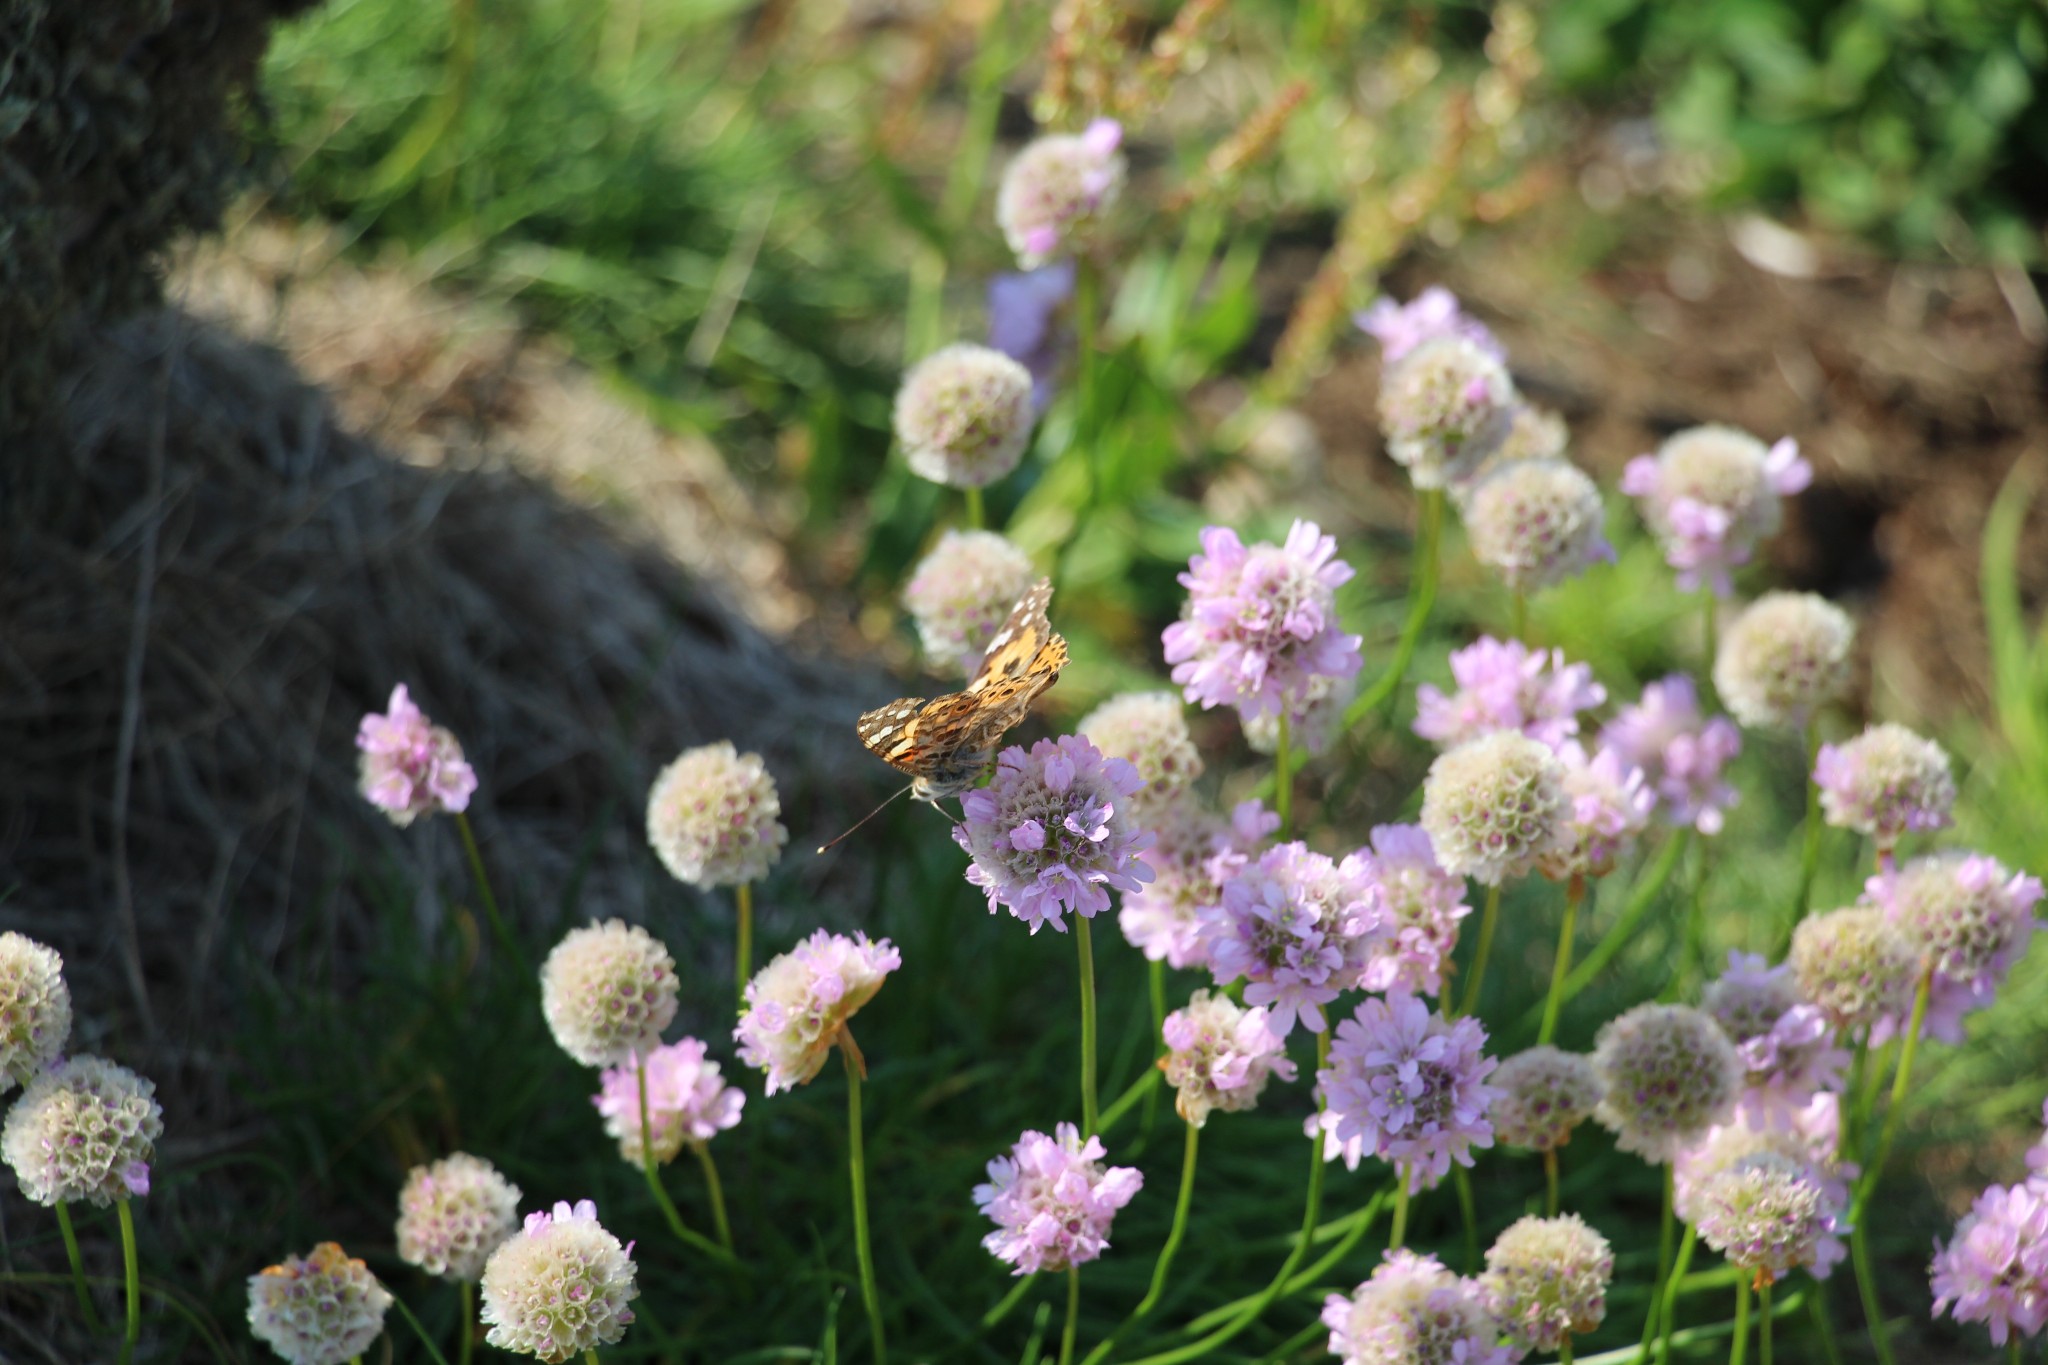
[323,1308]
[1768,1214]
[964,415]
[83,1131]
[1495,806]
[1607,806]
[1296,926]
[1787,1044]
[1536,523]
[1968,917]
[1995,1269]
[1420,907]
[559,1287]
[797,1005]
[687,1101]
[1669,1074]
[1546,1280]
[1681,752]
[1710,493]
[1886,783]
[1149,730]
[1857,967]
[1505,685]
[1414,1312]
[714,817]
[607,991]
[1401,327]
[1220,1056]
[453,1213]
[961,593]
[411,767]
[1055,193]
[1052,1200]
[1783,659]
[35,1008]
[1543,1094]
[1408,1086]
[1194,855]
[1444,407]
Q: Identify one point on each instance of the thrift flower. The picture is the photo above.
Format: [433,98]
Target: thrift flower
[1995,1269]
[687,1101]
[1711,493]
[321,1309]
[1296,926]
[559,1287]
[1669,1074]
[83,1131]
[1787,1044]
[1783,659]
[1505,685]
[1607,806]
[1054,830]
[1194,855]
[1414,1312]
[1494,806]
[1023,322]
[1805,1145]
[1768,1214]
[35,1009]
[1402,327]
[1057,190]
[1546,1281]
[797,1005]
[713,817]
[411,767]
[1220,1056]
[1408,1085]
[1149,731]
[1260,624]
[1536,523]
[1887,782]
[1858,968]
[1543,1094]
[961,593]
[1420,907]
[453,1213]
[964,415]
[1968,916]
[1052,1200]
[1444,408]
[607,991]
[1680,751]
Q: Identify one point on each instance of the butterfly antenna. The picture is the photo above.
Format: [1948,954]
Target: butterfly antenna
[865,818]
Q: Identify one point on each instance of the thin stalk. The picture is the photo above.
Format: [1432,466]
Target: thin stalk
[590,1357]
[1817,1306]
[1487,919]
[1147,1082]
[92,1315]
[1087,301]
[1678,1268]
[1866,1290]
[1710,617]
[132,1279]
[1355,1226]
[856,1163]
[1073,1315]
[1397,1235]
[1155,980]
[1089,1118]
[1173,1240]
[1564,1352]
[1561,965]
[1283,782]
[421,1332]
[466,1344]
[1694,963]
[1763,1322]
[1468,1208]
[1521,615]
[1009,1300]
[976,516]
[1622,931]
[1665,1227]
[716,1191]
[743,956]
[1422,597]
[1809,858]
[1738,1345]
[499,930]
[648,1168]
[2015,1348]
[1550,1182]
[1866,1284]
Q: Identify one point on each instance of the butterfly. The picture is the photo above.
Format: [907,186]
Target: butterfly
[945,744]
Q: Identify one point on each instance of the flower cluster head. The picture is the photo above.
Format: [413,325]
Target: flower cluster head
[961,593]
[1505,685]
[1313,720]
[35,1008]
[319,1309]
[1536,522]
[1546,1280]
[1023,322]
[1444,407]
[687,1101]
[1055,830]
[1995,1269]
[607,991]
[1055,193]
[1886,783]
[559,1287]
[1968,917]
[1414,1312]
[1607,805]
[1408,1085]
[713,817]
[1669,1074]
[1260,623]
[1805,1223]
[1787,1044]
[1052,1200]
[1542,1095]
[1402,327]
[1220,1056]
[1810,1135]
[1148,730]
[411,767]
[1857,967]
[1783,659]
[797,1005]
[453,1213]
[1711,493]
[964,415]
[84,1130]
[1768,1214]
[1193,856]
[1681,752]
[1494,806]
[1420,906]
[1296,927]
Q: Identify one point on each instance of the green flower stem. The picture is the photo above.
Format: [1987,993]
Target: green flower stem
[1561,965]
[1166,1253]
[1009,1300]
[1809,858]
[1421,599]
[1710,618]
[1090,1122]
[2015,1344]
[1623,931]
[421,1332]
[1354,1227]
[499,930]
[716,1191]
[92,1315]
[1866,1289]
[1665,1226]
[976,516]
[1468,1208]
[1087,305]
[466,1343]
[1763,1322]
[1397,1235]
[131,1275]
[1564,1351]
[1817,1307]
[857,1164]
[1521,615]
[1283,782]
[1073,1315]
[744,956]
[1678,1269]
[667,1205]
[590,1357]
[1738,1345]
[1550,1182]
[1487,920]
[1147,1082]
[1866,1283]
[1155,980]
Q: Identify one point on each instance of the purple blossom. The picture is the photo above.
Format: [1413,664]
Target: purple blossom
[1505,685]
[1607,806]
[1806,1139]
[1886,783]
[1680,751]
[797,1006]
[1023,322]
[1260,623]
[1193,856]
[1787,1044]
[1052,1200]
[411,767]
[1220,1056]
[687,1100]
[1968,916]
[1995,1269]
[1711,493]
[1420,906]
[1411,1312]
[1401,327]
[1768,1214]
[1408,1085]
[1296,926]
[1054,831]
[1054,192]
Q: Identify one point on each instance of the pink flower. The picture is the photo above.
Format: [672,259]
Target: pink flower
[1680,751]
[1806,1141]
[1296,926]
[1052,1200]
[1607,807]
[1220,1056]
[1055,192]
[797,1006]
[1414,1312]
[1711,493]
[1505,685]
[1787,1043]
[1193,856]
[1260,624]
[1420,906]
[1401,327]
[411,767]
[1408,1085]
[1886,783]
[687,1100]
[1970,917]
[1995,1269]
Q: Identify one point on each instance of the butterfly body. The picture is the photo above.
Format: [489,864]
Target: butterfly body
[946,743]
